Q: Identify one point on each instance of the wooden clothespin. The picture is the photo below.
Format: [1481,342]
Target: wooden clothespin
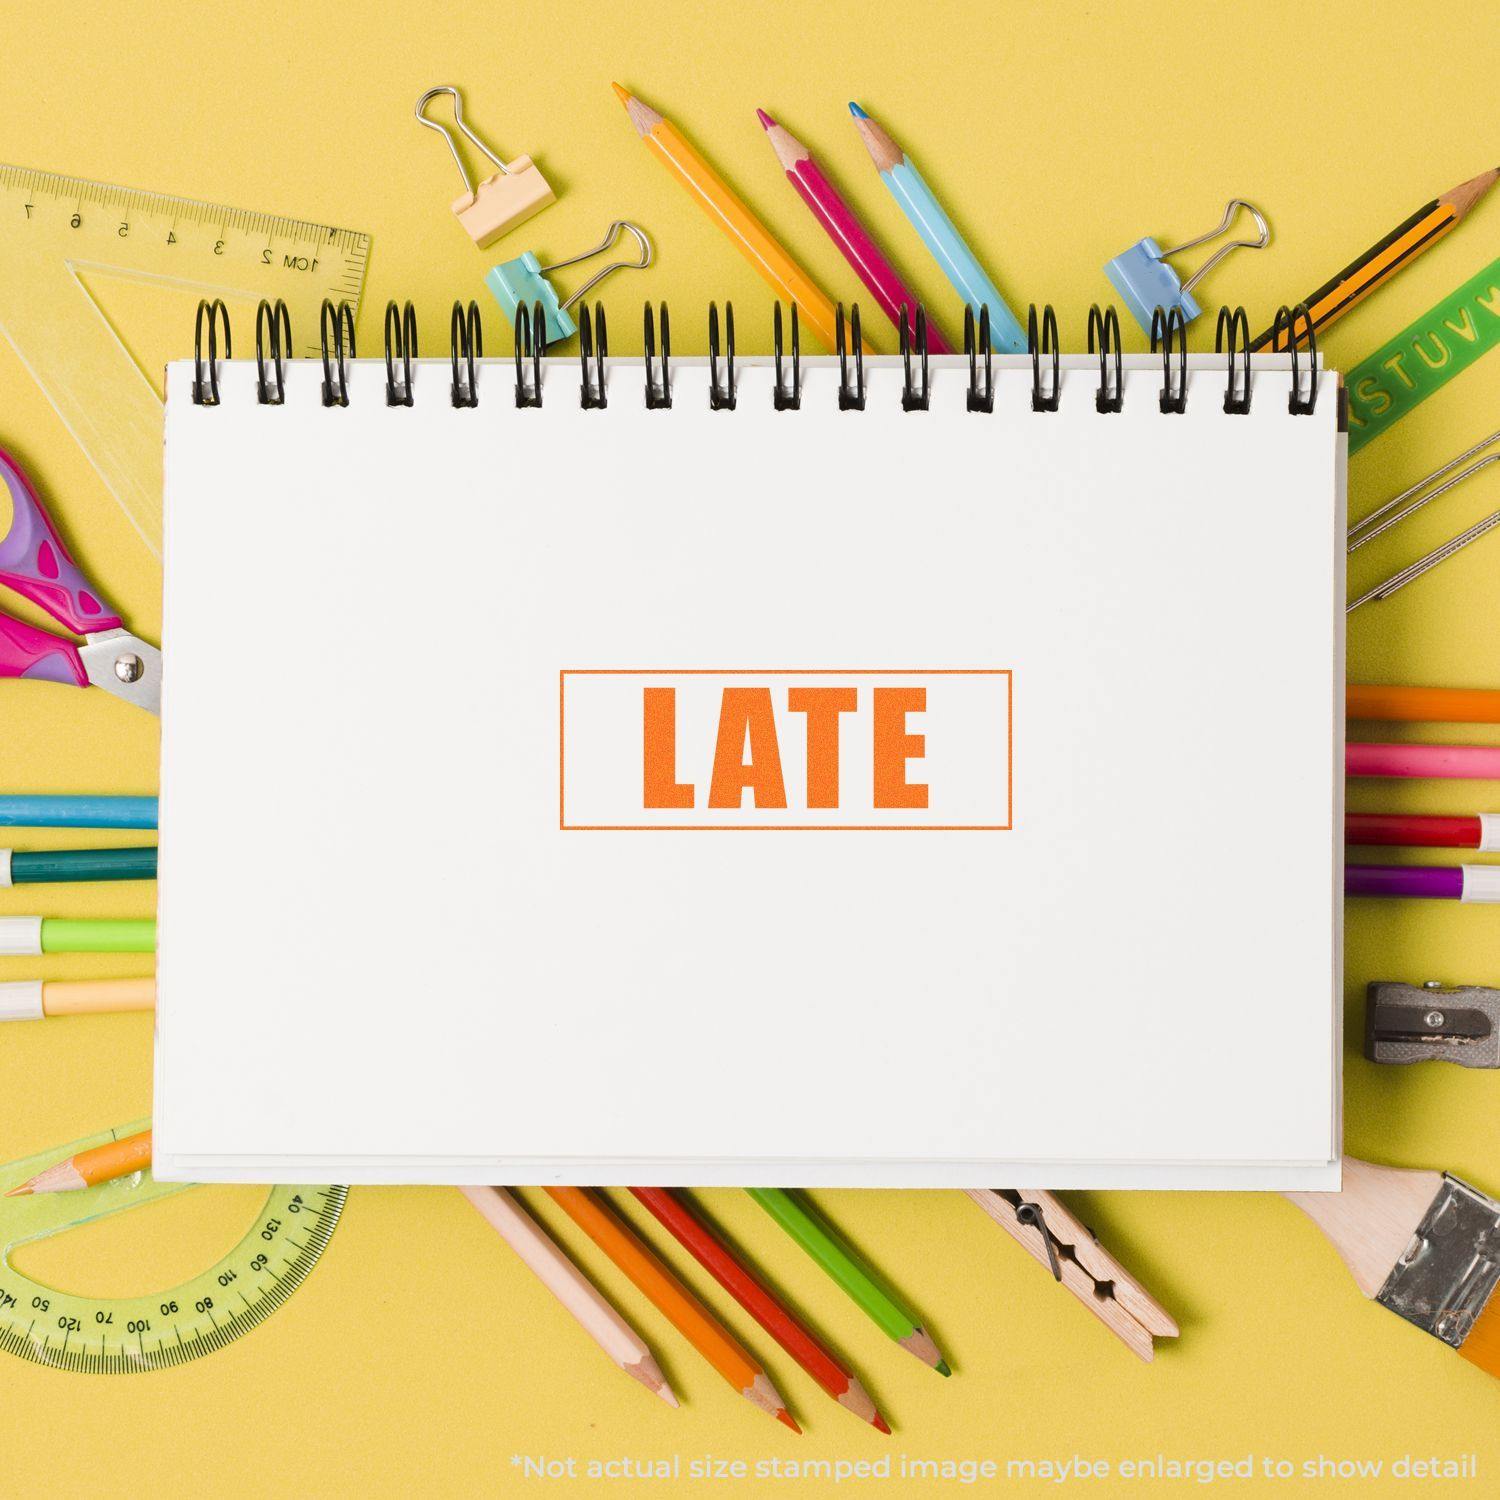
[1042,1226]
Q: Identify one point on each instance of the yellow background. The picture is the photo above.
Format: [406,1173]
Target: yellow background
[420,1356]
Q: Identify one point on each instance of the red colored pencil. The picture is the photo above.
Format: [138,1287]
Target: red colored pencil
[761,1303]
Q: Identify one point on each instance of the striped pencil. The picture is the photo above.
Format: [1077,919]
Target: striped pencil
[27,937]
[1421,704]
[939,233]
[1419,831]
[1476,884]
[892,1316]
[1470,762]
[843,227]
[53,866]
[761,1303]
[34,999]
[673,1300]
[118,1158]
[541,1255]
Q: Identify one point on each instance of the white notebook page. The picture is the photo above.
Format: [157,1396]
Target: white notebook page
[417,924]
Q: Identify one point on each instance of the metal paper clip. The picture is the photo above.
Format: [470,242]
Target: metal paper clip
[504,199]
[1381,519]
[518,282]
[1144,279]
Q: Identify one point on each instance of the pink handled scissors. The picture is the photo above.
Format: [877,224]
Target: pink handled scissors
[35,564]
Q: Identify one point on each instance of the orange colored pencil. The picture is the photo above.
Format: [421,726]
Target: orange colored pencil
[673,1300]
[761,1303]
[1382,260]
[730,212]
[89,1168]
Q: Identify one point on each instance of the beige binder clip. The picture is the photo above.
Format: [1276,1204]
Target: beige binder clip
[505,198]
[1042,1226]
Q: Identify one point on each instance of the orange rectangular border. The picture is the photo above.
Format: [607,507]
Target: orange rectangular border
[1007,673]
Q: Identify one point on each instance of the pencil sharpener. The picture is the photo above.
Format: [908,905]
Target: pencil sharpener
[502,201]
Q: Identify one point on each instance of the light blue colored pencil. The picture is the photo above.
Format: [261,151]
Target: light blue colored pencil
[77,812]
[939,234]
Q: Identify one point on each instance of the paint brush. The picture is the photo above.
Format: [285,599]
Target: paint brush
[1422,1244]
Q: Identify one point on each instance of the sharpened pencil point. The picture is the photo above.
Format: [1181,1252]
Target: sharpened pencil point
[19,1192]
[881,1425]
[788,1420]
[668,1395]
[766,121]
[942,1367]
[856,111]
[621,92]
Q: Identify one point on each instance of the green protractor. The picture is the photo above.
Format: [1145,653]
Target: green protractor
[122,1335]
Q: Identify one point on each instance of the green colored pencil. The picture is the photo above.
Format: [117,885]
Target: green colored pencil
[32,936]
[894,1319]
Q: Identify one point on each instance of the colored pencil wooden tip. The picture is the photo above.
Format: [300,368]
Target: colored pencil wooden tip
[919,1343]
[766,121]
[881,1425]
[856,111]
[19,1192]
[788,1420]
[621,92]
[1467,194]
[943,1368]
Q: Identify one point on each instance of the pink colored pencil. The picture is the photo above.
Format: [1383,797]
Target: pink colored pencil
[1474,762]
[853,239]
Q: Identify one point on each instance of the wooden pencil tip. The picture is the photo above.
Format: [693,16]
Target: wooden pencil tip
[788,1420]
[668,1395]
[19,1192]
[880,1424]
[621,92]
[766,122]
[943,1368]
[856,111]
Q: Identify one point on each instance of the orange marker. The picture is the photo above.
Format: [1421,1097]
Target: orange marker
[89,1168]
[673,1300]
[724,206]
[1424,704]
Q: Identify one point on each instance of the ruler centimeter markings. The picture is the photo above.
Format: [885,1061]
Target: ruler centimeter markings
[125,1335]
[63,240]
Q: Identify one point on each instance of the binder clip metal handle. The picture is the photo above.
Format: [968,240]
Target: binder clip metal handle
[1146,281]
[507,197]
[523,281]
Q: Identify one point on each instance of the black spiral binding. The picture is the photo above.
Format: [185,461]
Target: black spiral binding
[976,399]
[1298,404]
[787,398]
[720,398]
[1104,336]
[1163,325]
[531,343]
[465,350]
[1050,399]
[851,397]
[206,372]
[1232,337]
[334,323]
[400,345]
[593,340]
[912,398]
[273,328]
[658,396]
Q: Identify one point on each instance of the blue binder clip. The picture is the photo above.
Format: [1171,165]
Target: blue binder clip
[524,280]
[1144,279]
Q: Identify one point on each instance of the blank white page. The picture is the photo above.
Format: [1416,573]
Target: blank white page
[426,917]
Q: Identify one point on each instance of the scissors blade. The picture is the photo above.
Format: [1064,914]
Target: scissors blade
[125,665]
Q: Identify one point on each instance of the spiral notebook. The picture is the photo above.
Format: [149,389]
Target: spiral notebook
[876,793]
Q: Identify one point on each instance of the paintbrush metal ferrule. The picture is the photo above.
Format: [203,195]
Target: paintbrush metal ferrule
[1447,1275]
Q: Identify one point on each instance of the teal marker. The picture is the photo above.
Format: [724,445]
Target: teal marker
[939,234]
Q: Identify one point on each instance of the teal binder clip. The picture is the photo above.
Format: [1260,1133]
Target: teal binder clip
[524,280]
[1146,281]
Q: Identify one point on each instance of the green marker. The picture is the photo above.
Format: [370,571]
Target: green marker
[28,937]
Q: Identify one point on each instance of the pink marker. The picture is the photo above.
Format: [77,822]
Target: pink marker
[1475,762]
[852,238]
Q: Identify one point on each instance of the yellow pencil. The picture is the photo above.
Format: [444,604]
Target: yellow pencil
[720,202]
[89,1168]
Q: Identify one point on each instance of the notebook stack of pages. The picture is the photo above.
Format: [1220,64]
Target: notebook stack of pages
[810,797]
